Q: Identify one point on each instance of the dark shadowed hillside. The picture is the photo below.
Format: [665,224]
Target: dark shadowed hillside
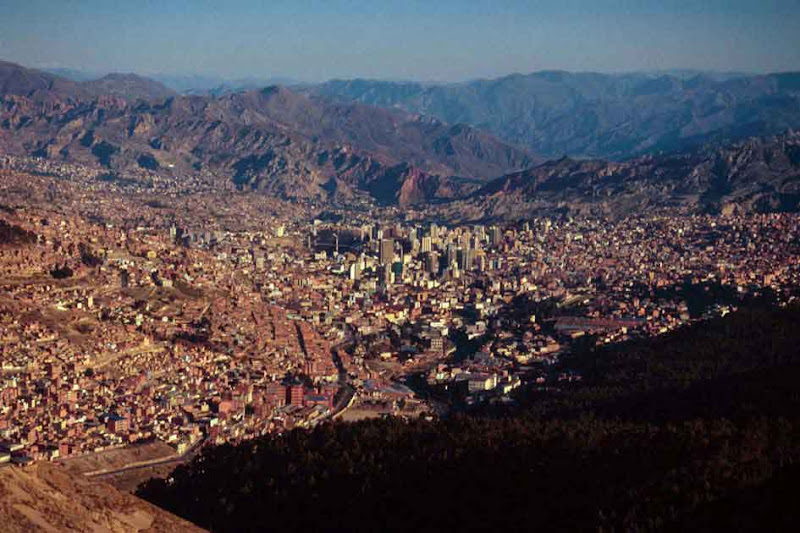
[661,432]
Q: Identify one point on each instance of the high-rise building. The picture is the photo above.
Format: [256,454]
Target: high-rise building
[495,236]
[295,395]
[437,343]
[466,258]
[366,232]
[387,276]
[386,254]
[397,270]
[434,230]
[452,256]
[426,245]
[432,263]
[355,271]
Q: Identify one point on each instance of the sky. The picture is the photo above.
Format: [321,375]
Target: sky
[427,40]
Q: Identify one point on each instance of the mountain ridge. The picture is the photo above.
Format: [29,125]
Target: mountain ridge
[129,86]
[583,114]
[307,146]
[273,139]
[760,174]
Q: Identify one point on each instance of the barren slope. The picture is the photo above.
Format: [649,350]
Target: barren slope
[45,497]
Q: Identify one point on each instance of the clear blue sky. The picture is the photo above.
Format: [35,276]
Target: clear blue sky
[400,39]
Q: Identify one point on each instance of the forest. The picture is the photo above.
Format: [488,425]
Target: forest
[696,429]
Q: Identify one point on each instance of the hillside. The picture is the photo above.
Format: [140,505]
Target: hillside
[582,115]
[660,433]
[44,497]
[273,140]
[16,80]
[304,146]
[128,86]
[755,175]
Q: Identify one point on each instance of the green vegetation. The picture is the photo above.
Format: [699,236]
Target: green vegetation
[700,427]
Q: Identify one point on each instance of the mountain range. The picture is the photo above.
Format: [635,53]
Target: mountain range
[590,115]
[37,85]
[275,140]
[693,141]
[753,175]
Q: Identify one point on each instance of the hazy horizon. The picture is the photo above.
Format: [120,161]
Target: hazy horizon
[447,41]
[81,75]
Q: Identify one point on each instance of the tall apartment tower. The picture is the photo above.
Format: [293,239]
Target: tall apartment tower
[432,263]
[386,252]
[427,245]
[495,236]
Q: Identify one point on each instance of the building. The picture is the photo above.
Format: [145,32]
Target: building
[437,343]
[495,236]
[295,395]
[355,271]
[466,258]
[386,254]
[432,263]
[387,275]
[117,424]
[427,245]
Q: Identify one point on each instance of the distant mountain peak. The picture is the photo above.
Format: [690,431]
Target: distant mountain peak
[129,86]
[18,80]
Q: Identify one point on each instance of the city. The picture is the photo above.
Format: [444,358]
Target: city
[126,324]
[399,266]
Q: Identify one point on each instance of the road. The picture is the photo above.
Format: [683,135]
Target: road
[189,454]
